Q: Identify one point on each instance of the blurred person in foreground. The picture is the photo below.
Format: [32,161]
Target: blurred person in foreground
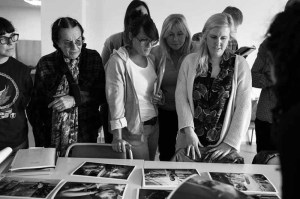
[283,37]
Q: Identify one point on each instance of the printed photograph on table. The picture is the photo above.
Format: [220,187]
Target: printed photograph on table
[152,193]
[165,177]
[264,196]
[196,188]
[245,182]
[90,190]
[93,169]
[26,187]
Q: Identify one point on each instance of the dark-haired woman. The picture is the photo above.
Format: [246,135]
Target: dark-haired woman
[15,90]
[117,40]
[135,9]
[69,87]
[130,78]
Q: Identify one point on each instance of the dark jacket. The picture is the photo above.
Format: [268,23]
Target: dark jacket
[91,83]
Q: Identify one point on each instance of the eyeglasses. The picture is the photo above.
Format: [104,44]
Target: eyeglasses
[5,40]
[78,42]
[145,42]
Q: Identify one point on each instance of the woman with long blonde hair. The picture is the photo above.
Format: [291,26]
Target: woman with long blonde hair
[213,97]
[175,44]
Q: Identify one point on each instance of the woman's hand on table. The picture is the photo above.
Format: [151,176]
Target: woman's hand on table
[192,143]
[219,151]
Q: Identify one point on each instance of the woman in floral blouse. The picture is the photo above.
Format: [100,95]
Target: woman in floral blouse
[213,97]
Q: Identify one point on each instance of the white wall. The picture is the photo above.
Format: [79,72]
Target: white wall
[101,18]
[27,21]
[106,17]
[53,9]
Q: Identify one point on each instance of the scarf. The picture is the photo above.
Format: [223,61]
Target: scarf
[65,123]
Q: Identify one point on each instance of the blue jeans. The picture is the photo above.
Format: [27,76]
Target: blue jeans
[143,146]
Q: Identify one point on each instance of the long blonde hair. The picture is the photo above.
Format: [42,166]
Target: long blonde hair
[170,21]
[216,20]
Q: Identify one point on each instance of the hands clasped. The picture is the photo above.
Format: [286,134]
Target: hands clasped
[62,103]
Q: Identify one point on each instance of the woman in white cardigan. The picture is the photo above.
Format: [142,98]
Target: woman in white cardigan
[213,97]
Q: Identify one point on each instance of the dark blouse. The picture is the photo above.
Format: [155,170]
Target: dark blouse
[210,97]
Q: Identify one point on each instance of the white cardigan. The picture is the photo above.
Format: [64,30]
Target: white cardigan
[238,112]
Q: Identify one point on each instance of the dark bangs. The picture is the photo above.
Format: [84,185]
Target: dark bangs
[148,26]
[151,30]
[6,26]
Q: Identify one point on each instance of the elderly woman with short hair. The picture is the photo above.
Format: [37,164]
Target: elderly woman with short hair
[69,87]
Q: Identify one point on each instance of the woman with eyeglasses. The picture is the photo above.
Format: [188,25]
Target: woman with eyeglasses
[69,87]
[115,41]
[15,90]
[130,79]
[135,9]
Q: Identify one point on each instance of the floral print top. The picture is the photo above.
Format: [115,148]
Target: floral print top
[210,97]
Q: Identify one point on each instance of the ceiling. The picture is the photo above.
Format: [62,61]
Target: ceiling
[16,3]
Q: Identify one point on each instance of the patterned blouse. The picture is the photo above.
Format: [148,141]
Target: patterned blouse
[210,97]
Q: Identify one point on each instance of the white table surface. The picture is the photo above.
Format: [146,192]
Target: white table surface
[272,172]
[65,166]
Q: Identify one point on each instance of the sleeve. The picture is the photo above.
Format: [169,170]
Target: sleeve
[156,53]
[183,108]
[115,92]
[28,86]
[106,52]
[242,108]
[96,92]
[261,69]
[37,109]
